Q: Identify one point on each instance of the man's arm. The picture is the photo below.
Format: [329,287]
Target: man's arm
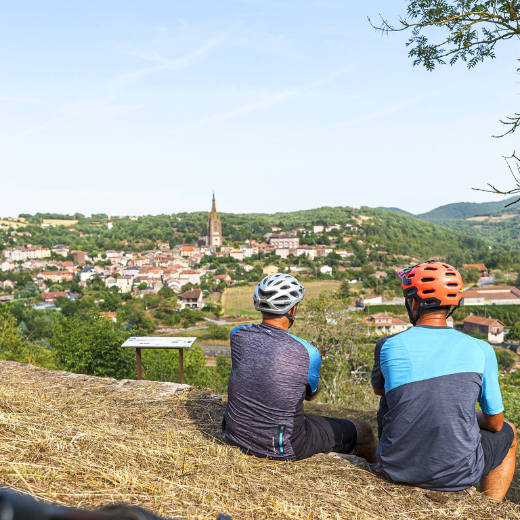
[492,423]
[379,391]
[311,397]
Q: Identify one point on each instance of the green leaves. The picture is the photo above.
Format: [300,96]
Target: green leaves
[92,345]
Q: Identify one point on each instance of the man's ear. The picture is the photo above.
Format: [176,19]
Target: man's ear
[292,312]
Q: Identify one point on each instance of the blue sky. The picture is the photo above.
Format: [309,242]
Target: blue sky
[132,107]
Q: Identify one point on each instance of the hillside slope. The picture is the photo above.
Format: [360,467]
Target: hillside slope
[87,441]
[463,210]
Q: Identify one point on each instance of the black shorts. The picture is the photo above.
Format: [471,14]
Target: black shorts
[496,447]
[325,434]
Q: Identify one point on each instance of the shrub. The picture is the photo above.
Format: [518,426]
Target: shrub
[92,345]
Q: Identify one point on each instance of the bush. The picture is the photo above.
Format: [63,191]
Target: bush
[92,345]
[505,359]
[219,332]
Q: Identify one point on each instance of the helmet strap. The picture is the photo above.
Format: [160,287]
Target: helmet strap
[413,319]
[451,311]
[290,318]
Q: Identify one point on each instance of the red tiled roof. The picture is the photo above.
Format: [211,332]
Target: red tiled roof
[480,320]
[193,294]
[482,267]
[52,295]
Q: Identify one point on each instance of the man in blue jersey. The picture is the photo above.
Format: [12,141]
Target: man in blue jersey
[273,372]
[429,378]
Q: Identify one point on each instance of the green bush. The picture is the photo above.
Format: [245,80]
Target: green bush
[505,359]
[219,332]
[92,345]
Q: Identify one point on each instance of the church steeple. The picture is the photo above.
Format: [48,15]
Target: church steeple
[214,226]
[214,206]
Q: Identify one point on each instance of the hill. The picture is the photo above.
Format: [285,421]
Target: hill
[87,441]
[398,210]
[464,210]
[381,231]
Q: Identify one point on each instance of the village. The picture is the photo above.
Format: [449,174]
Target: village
[194,272]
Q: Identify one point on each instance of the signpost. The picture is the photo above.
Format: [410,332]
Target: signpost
[156,342]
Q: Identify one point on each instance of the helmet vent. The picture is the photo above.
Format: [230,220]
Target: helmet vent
[451,295]
[430,269]
[428,291]
[426,280]
[450,274]
[452,285]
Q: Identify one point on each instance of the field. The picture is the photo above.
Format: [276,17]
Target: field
[86,442]
[238,301]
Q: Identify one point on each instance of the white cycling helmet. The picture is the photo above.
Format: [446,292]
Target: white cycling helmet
[278,293]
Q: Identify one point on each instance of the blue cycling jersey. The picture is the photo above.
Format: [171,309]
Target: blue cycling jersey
[433,377]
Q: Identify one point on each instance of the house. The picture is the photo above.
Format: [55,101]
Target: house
[328,229]
[385,324]
[344,253]
[325,269]
[7,266]
[269,269]
[481,267]
[223,278]
[50,297]
[283,253]
[7,284]
[371,300]
[187,251]
[318,229]
[86,274]
[237,254]
[61,250]
[492,327]
[189,276]
[110,315]
[191,299]
[80,257]
[284,241]
[492,294]
[123,283]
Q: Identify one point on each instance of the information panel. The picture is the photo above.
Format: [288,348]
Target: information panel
[157,342]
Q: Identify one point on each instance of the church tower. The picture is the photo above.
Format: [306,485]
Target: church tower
[214,227]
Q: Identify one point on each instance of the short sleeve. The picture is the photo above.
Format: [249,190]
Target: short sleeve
[490,398]
[378,380]
[313,378]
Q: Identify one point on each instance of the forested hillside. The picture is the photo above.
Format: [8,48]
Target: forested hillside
[383,232]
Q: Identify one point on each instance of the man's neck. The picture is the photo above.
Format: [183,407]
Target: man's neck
[432,320]
[281,323]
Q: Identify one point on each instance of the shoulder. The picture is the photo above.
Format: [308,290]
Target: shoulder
[387,340]
[239,327]
[309,346]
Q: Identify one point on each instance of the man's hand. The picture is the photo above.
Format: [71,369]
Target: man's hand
[492,423]
[379,391]
[312,397]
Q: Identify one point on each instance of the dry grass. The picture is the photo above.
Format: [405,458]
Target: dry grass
[82,441]
[238,301]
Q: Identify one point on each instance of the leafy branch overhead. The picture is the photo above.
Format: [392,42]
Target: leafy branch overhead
[473,30]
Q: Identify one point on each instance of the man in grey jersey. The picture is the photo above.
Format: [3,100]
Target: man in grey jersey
[273,372]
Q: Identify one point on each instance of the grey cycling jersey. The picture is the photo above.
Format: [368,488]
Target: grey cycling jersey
[272,371]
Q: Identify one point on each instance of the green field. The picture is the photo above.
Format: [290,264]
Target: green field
[238,301]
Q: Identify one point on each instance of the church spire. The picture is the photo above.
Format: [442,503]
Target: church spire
[214,206]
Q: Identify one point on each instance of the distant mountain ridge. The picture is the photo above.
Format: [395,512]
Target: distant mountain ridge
[487,220]
[459,210]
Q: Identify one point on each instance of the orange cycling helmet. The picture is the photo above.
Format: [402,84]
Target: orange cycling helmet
[432,284]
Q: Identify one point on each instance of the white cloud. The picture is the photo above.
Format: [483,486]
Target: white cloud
[164,64]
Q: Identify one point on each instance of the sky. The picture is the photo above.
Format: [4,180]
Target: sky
[132,108]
